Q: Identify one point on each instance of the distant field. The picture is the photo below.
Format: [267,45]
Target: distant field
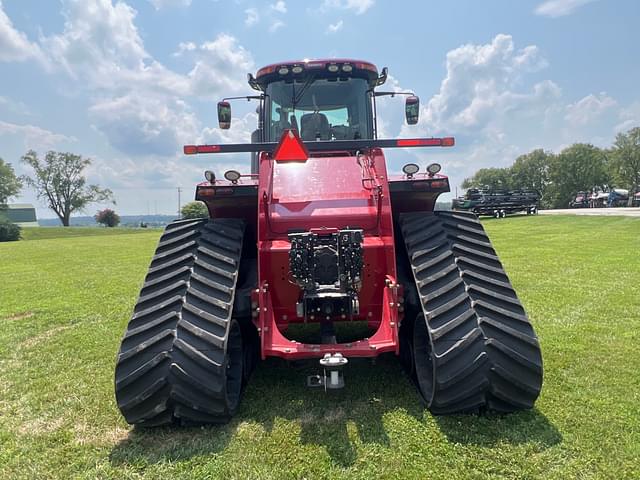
[64,304]
[43,233]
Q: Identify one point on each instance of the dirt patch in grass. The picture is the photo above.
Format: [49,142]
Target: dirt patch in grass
[40,426]
[90,435]
[19,316]
[43,337]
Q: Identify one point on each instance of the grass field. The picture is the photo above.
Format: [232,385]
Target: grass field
[46,233]
[64,304]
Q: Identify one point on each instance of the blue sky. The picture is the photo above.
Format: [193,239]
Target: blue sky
[126,83]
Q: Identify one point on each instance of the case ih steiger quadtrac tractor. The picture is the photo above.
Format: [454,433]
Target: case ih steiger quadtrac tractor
[320,233]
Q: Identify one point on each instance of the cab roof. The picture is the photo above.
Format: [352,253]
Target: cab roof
[322,67]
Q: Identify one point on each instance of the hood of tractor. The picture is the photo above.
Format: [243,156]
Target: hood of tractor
[328,191]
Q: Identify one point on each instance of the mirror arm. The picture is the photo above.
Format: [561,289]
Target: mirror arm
[393,94]
[246,97]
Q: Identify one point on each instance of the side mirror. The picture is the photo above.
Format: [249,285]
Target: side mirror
[224,115]
[412,109]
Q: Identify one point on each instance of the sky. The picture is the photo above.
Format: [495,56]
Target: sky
[127,83]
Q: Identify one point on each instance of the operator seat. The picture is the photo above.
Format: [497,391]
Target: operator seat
[314,125]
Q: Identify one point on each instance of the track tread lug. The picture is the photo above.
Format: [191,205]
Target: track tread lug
[472,371]
[185,313]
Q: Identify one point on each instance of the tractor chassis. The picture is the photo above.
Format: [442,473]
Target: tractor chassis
[274,344]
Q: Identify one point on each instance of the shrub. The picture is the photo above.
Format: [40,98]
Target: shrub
[194,210]
[9,232]
[107,217]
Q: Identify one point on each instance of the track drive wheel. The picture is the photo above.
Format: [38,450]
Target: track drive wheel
[183,354]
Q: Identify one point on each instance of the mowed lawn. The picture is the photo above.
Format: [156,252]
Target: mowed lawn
[64,304]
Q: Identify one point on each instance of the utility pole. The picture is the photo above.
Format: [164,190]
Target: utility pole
[179,204]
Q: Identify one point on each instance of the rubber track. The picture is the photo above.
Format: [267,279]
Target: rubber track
[486,355]
[172,363]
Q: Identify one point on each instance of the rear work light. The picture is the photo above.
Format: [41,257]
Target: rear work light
[410,169]
[433,168]
[232,175]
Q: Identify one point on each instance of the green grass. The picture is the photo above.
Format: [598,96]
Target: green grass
[43,233]
[64,304]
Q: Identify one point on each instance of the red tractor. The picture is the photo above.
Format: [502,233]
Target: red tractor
[320,233]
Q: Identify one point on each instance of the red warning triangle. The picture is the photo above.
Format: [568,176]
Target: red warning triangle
[290,148]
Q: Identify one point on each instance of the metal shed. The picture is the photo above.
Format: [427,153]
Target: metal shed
[23,214]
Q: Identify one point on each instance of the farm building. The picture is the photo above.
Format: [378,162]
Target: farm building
[23,214]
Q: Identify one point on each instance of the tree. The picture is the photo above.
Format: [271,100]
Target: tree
[531,172]
[60,182]
[494,178]
[10,185]
[107,217]
[194,210]
[625,161]
[579,167]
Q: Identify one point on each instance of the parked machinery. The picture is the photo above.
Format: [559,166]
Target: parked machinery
[498,203]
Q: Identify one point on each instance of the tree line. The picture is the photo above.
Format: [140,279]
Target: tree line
[59,182]
[559,177]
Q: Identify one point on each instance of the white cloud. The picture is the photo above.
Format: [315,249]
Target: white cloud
[240,132]
[252,17]
[169,3]
[334,27]
[101,45]
[14,106]
[490,103]
[629,118]
[34,137]
[357,6]
[275,26]
[559,8]
[184,47]
[480,84]
[141,125]
[589,109]
[14,45]
[141,105]
[280,6]
[221,66]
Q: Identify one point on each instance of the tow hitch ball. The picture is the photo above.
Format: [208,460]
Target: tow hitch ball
[332,377]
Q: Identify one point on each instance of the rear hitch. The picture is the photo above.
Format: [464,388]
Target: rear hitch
[332,377]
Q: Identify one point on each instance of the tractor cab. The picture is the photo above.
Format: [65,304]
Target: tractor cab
[321,101]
